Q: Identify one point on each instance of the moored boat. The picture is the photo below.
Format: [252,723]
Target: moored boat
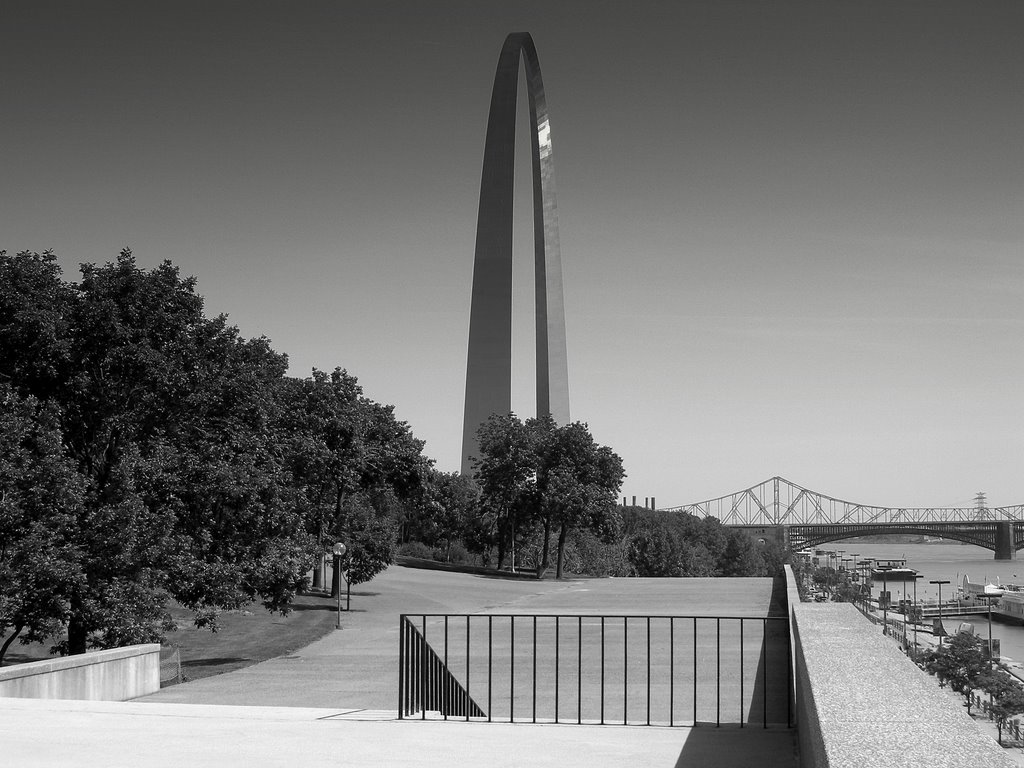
[977,591]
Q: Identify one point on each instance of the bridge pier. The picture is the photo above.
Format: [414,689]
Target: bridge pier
[1004,541]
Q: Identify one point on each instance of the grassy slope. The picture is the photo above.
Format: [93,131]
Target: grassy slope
[245,637]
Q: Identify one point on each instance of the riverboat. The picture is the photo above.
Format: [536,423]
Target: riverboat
[976,591]
[1011,604]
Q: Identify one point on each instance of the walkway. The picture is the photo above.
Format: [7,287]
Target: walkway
[357,666]
[334,701]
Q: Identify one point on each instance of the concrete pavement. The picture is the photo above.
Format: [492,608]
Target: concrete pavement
[38,734]
[334,701]
[357,666]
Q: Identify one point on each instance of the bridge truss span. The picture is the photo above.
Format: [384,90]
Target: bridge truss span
[778,501]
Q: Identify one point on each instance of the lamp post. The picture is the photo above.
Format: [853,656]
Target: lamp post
[884,598]
[988,599]
[916,577]
[942,630]
[339,552]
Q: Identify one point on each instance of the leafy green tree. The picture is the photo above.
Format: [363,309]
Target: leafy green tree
[443,517]
[1007,698]
[961,663]
[655,551]
[577,483]
[169,420]
[40,496]
[538,474]
[370,537]
[506,473]
[348,459]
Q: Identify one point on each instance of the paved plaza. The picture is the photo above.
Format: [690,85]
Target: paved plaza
[334,701]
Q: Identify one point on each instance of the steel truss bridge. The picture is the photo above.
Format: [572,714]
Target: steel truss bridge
[808,518]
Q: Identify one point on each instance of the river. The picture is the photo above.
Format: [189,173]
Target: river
[946,562]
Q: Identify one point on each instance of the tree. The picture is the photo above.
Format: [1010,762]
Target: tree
[577,484]
[443,517]
[506,473]
[349,460]
[539,473]
[168,419]
[1007,697]
[40,495]
[961,662]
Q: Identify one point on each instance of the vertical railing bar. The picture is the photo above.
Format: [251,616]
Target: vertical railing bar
[444,690]
[625,669]
[648,670]
[557,621]
[490,660]
[764,673]
[423,670]
[718,673]
[512,671]
[579,669]
[602,670]
[741,672]
[694,670]
[789,671]
[671,670]
[534,719]
[401,664]
[417,647]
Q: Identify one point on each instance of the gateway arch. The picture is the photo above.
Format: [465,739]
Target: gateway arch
[489,369]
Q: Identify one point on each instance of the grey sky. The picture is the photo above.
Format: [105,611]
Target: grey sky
[791,232]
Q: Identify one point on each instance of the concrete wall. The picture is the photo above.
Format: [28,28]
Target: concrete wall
[115,675]
[861,702]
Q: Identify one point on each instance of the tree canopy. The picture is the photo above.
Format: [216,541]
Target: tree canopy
[537,474]
[179,459]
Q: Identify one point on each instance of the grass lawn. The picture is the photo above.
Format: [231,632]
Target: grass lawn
[245,637]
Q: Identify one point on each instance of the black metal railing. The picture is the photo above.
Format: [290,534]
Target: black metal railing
[425,681]
[635,670]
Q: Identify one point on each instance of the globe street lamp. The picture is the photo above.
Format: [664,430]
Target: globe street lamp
[339,552]
[942,630]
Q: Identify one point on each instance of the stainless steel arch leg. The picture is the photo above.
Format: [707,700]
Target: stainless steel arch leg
[489,368]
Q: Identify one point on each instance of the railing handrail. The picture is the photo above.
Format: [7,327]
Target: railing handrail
[439,651]
[751,617]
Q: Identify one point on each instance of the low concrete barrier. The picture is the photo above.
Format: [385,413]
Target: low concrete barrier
[118,674]
[861,702]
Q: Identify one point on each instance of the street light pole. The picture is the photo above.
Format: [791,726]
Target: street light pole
[942,629]
[916,617]
[988,599]
[884,598]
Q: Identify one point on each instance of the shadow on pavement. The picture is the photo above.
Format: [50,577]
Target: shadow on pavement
[734,747]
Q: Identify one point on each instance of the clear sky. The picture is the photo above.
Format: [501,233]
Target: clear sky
[791,232]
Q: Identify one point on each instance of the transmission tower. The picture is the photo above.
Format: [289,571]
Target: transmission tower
[981,506]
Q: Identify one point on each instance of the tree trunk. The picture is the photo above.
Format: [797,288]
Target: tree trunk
[545,555]
[561,551]
[318,574]
[8,641]
[512,545]
[77,636]
[335,575]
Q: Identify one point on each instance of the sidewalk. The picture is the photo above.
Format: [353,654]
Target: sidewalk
[357,666]
[37,733]
[334,702]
